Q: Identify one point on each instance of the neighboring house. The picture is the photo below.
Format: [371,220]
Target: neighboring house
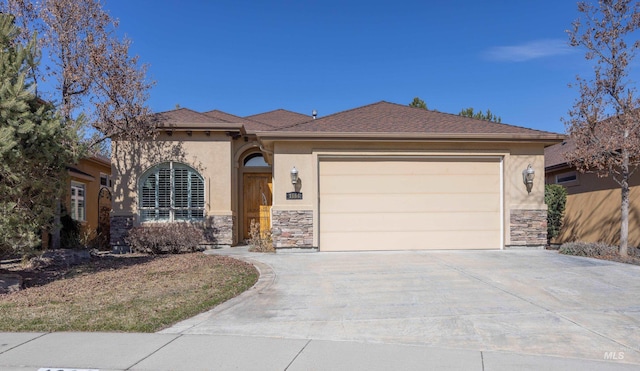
[379,177]
[89,194]
[592,212]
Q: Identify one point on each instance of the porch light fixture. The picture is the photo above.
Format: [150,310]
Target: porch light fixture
[294,176]
[527,177]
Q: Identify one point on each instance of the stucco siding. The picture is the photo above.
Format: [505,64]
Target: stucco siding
[92,189]
[592,212]
[305,157]
[210,154]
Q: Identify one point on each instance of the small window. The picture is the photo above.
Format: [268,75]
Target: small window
[78,202]
[568,177]
[105,180]
[255,160]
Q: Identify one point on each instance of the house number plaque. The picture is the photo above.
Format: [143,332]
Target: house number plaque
[294,195]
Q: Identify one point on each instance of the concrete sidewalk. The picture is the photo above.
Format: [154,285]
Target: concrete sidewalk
[117,351]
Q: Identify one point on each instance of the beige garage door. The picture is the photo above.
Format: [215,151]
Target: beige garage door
[432,203]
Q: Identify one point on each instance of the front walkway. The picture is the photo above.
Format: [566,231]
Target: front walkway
[533,302]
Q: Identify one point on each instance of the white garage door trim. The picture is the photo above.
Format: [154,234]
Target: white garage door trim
[493,241]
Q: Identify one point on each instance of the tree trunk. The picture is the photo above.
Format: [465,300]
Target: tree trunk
[624,209]
[55,232]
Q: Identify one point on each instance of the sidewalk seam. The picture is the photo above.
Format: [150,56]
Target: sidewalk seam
[297,355]
[154,352]
[26,342]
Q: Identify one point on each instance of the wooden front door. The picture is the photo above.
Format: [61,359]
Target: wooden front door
[256,193]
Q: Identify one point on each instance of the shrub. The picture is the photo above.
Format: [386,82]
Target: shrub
[555,196]
[591,249]
[260,241]
[172,238]
[70,232]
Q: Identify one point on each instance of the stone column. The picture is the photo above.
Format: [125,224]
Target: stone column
[292,228]
[120,226]
[218,230]
[528,229]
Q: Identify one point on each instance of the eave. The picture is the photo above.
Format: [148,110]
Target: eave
[203,127]
[546,139]
[557,167]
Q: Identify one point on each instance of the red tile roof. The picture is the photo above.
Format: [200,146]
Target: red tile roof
[385,117]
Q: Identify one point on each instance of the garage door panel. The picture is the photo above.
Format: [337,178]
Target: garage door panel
[390,203]
[428,240]
[409,184]
[437,166]
[407,222]
[420,204]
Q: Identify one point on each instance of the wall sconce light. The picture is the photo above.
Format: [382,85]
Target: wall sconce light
[527,177]
[294,176]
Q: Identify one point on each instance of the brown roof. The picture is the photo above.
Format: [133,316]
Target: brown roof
[385,117]
[104,160]
[280,118]
[554,155]
[378,120]
[186,119]
[250,125]
[181,115]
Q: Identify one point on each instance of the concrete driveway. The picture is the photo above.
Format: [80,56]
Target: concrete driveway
[535,302]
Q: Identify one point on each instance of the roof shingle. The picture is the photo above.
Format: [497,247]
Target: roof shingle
[385,117]
[280,118]
[554,156]
[250,125]
[181,115]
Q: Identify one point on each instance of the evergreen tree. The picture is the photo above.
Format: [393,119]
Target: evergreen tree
[35,147]
[418,103]
[489,116]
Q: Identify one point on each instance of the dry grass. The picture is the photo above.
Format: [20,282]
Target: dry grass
[599,250]
[126,294]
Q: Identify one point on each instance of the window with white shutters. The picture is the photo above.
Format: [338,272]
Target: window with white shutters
[78,202]
[171,192]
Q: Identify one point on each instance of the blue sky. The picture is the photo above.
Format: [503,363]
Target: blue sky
[248,57]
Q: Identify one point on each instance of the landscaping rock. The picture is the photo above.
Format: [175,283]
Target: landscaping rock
[10,282]
[67,257]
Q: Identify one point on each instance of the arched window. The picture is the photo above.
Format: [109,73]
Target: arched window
[171,192]
[255,160]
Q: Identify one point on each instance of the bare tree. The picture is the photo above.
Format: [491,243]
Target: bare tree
[605,121]
[96,81]
[94,75]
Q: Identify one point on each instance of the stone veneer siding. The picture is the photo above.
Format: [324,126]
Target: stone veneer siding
[120,226]
[218,230]
[292,228]
[528,228]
